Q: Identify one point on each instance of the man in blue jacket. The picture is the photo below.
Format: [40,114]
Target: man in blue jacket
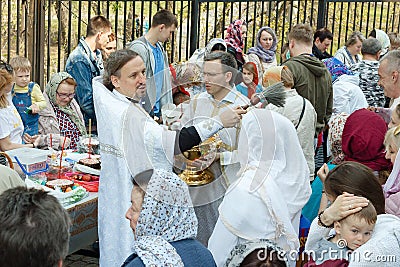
[85,63]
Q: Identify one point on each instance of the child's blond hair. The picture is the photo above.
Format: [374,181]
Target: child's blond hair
[19,63]
[367,213]
[392,137]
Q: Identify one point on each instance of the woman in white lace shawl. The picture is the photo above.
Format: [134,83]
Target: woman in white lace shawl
[266,201]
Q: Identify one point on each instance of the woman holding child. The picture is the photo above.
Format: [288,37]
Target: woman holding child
[352,187]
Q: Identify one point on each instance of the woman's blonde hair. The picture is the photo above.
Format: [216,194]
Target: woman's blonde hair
[5,79]
[392,137]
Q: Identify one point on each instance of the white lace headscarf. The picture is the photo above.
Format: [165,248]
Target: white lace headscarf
[167,215]
[274,181]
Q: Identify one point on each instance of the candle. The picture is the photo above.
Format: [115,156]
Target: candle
[90,136]
[62,152]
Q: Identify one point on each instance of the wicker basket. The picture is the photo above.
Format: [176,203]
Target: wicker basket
[10,163]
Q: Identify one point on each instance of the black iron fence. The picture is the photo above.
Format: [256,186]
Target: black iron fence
[46,31]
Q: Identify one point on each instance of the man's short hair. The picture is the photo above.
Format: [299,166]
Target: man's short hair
[165,17]
[20,64]
[228,62]
[302,33]
[97,24]
[323,34]
[393,61]
[34,228]
[114,64]
[371,46]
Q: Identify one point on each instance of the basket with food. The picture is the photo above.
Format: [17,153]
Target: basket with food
[66,191]
[88,181]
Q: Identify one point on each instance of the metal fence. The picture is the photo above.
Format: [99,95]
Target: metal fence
[46,31]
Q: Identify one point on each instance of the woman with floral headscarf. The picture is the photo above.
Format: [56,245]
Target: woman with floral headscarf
[234,39]
[62,116]
[164,223]
[264,53]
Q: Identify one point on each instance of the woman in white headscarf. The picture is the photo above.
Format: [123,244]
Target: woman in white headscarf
[266,201]
[383,38]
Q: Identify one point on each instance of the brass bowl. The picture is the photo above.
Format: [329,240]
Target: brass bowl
[195,178]
[192,154]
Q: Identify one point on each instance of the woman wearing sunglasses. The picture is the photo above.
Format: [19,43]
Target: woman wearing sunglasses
[62,116]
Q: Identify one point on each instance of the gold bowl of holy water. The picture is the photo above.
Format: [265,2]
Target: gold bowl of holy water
[197,160]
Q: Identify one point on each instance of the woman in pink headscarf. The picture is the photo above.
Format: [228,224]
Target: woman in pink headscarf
[235,35]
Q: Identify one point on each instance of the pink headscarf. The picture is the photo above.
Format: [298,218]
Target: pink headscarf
[234,35]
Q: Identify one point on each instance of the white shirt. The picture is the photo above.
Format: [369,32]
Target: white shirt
[11,124]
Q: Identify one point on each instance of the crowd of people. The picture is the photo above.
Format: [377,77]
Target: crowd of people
[148,112]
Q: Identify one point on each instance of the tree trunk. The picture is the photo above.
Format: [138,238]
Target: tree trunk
[62,15]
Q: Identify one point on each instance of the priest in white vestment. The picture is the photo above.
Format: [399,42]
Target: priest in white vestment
[131,142]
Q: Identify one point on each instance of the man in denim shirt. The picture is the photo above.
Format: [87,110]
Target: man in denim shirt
[85,63]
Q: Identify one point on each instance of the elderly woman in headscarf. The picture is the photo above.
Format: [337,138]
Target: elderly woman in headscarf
[264,53]
[347,94]
[62,116]
[274,185]
[164,223]
[235,39]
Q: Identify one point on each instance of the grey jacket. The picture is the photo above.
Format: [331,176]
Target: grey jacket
[143,48]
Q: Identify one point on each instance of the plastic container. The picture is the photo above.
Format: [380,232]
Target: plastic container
[31,160]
